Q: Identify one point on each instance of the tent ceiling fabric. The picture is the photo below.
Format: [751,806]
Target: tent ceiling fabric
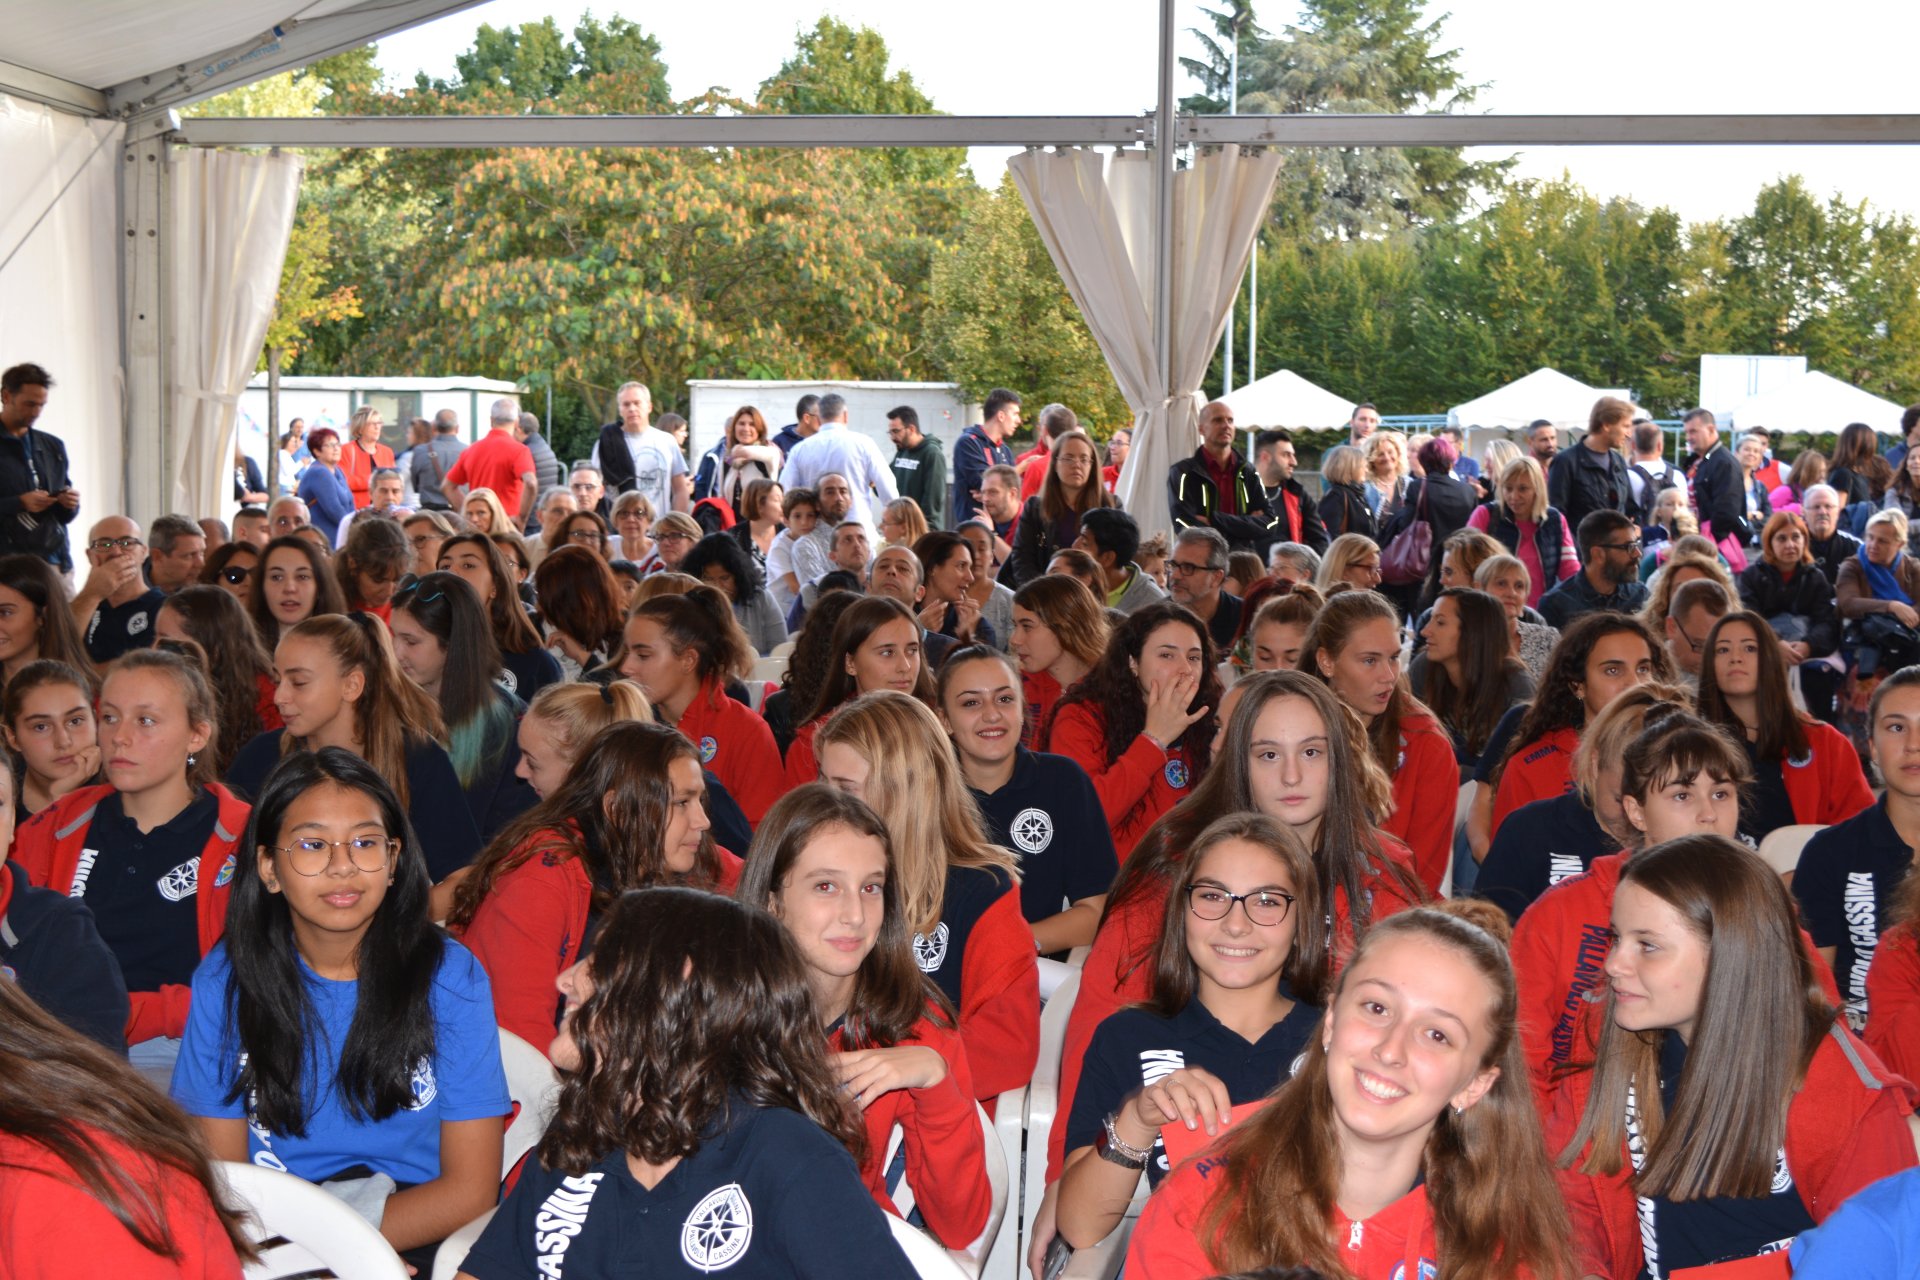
[104,42]
[1097,223]
[1285,399]
[1564,401]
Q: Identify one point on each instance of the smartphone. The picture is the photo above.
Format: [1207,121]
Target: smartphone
[1058,1254]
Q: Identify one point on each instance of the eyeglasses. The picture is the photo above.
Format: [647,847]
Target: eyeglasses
[585,535]
[114,544]
[673,537]
[1181,568]
[312,856]
[420,540]
[235,574]
[1263,906]
[1633,546]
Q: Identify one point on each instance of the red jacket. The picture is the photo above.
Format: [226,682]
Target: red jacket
[49,846]
[1000,1000]
[529,928]
[358,466]
[802,768]
[1119,971]
[266,708]
[1041,691]
[1540,770]
[940,1132]
[1135,790]
[1893,1000]
[53,1229]
[1846,1127]
[738,747]
[1559,952]
[1397,1243]
[1826,786]
[1426,789]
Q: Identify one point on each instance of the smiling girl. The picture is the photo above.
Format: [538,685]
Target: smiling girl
[629,814]
[1404,1145]
[336,1034]
[36,620]
[1141,722]
[1728,1109]
[50,723]
[1236,980]
[152,851]
[823,864]
[876,645]
[292,584]
[1354,646]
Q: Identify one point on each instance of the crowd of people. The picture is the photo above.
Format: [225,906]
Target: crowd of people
[1406,840]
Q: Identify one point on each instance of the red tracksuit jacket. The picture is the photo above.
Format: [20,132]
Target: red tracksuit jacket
[1827,786]
[1426,787]
[1559,952]
[1135,790]
[801,766]
[999,999]
[1118,972]
[49,847]
[51,1228]
[941,1135]
[738,747]
[1540,770]
[529,928]
[1396,1243]
[1893,1000]
[1846,1127]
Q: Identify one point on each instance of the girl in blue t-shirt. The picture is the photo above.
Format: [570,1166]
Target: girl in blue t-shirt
[335,1033]
[1244,929]
[700,1126]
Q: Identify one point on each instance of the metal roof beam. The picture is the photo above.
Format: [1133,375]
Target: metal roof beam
[1550,131]
[24,82]
[290,44]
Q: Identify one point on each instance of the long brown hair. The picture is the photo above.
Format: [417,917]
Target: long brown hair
[1055,502]
[579,597]
[1472,708]
[860,621]
[1762,1016]
[1176,978]
[1346,851]
[697,1001]
[513,630]
[393,715]
[611,813]
[1066,607]
[1675,744]
[1555,704]
[327,596]
[236,661]
[58,633]
[1497,1213]
[1112,689]
[1782,730]
[890,994]
[62,1092]
[702,620]
[1338,619]
[916,787]
[189,677]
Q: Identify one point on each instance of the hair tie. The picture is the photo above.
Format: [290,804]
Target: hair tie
[606,694]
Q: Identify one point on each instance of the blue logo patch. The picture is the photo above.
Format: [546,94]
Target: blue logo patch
[225,877]
[708,750]
[1176,774]
[1800,762]
[6,971]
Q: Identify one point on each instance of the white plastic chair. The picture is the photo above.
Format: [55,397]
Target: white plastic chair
[1024,1119]
[768,669]
[1103,1261]
[534,1086]
[972,1259]
[1781,848]
[454,1249]
[929,1260]
[783,649]
[313,1233]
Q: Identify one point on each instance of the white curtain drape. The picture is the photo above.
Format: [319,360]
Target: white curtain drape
[231,215]
[1097,220]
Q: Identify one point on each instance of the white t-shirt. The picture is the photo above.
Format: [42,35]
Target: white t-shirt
[656,460]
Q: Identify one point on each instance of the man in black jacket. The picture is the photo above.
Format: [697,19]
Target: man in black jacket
[37,500]
[1828,545]
[1218,489]
[1591,473]
[1296,516]
[1717,496]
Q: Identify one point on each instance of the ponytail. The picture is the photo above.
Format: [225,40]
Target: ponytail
[702,620]
[393,714]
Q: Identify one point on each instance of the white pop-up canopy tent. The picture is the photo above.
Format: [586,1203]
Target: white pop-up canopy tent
[1818,402]
[1545,393]
[1285,399]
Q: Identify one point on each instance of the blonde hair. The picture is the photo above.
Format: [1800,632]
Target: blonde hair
[916,787]
[664,583]
[1493,566]
[1536,477]
[1660,590]
[1344,464]
[573,713]
[502,522]
[1381,441]
[1341,555]
[908,513]
[1604,742]
[1893,516]
[1495,457]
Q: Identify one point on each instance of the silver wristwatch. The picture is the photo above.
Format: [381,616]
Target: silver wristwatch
[1109,1146]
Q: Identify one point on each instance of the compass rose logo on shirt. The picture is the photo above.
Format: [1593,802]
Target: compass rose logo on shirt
[180,882]
[708,750]
[930,949]
[1176,772]
[1032,830]
[716,1234]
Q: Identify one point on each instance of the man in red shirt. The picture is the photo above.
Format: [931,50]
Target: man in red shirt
[497,461]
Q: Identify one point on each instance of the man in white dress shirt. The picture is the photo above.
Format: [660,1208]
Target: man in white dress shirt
[837,448]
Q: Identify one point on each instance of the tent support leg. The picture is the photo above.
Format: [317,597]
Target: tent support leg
[146,171]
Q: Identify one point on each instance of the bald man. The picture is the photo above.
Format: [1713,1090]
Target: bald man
[1218,489]
[115,607]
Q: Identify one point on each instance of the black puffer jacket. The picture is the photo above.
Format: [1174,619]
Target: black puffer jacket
[1807,593]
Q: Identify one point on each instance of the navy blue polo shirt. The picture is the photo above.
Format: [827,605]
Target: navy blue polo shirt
[141,887]
[942,953]
[1136,1047]
[1503,731]
[1765,806]
[1845,883]
[1698,1233]
[115,629]
[1049,814]
[768,1196]
[525,674]
[1540,844]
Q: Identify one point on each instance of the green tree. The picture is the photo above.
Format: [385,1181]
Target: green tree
[1002,317]
[1226,28]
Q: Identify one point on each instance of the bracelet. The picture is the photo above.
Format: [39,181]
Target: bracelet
[1109,1146]
[1155,741]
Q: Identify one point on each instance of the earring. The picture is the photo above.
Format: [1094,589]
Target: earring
[191,759]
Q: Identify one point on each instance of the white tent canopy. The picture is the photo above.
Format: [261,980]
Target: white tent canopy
[1545,393]
[1818,402]
[1285,399]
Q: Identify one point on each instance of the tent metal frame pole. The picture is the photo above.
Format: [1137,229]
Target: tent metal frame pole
[1164,145]
[53,91]
[146,283]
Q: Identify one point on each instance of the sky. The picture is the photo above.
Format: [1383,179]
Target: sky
[1075,57]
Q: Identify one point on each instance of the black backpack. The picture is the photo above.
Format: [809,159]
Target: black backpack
[1651,486]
